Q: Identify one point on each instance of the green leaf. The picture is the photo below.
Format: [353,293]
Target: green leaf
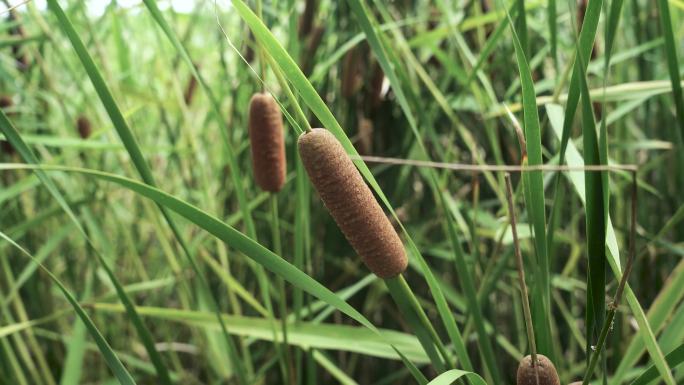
[110,357]
[533,185]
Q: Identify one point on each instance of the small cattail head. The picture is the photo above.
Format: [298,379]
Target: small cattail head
[365,136]
[5,101]
[190,90]
[7,148]
[376,85]
[307,19]
[351,73]
[249,47]
[351,203]
[547,372]
[267,142]
[307,57]
[83,126]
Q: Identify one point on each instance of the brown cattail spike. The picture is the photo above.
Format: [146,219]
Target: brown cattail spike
[268,145]
[5,101]
[351,74]
[5,146]
[306,21]
[527,375]
[83,127]
[351,203]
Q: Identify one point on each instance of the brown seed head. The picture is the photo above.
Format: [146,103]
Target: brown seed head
[351,203]
[190,88]
[351,77]
[5,101]
[306,21]
[307,56]
[365,136]
[83,127]
[268,145]
[547,372]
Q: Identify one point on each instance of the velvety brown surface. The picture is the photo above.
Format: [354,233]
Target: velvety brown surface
[5,101]
[83,127]
[266,138]
[351,203]
[547,372]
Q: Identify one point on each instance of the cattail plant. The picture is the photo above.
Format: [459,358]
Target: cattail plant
[83,127]
[376,83]
[307,57]
[351,203]
[18,31]
[528,371]
[307,19]
[7,149]
[581,11]
[190,88]
[364,142]
[267,143]
[351,73]
[534,369]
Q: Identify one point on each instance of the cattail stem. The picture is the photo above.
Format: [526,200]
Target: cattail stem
[413,313]
[261,53]
[613,307]
[521,271]
[286,362]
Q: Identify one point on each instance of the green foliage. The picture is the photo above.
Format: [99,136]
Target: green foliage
[175,268]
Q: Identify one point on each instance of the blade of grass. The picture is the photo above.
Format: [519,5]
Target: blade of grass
[672,62]
[110,357]
[555,113]
[673,359]
[137,157]
[17,142]
[222,231]
[534,198]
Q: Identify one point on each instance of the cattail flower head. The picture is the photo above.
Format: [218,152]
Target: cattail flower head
[365,136]
[351,203]
[351,74]
[190,88]
[267,142]
[5,101]
[83,127]
[307,19]
[547,372]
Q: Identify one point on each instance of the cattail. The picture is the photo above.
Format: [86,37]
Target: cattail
[190,90]
[547,372]
[83,126]
[249,47]
[306,21]
[314,43]
[5,101]
[7,149]
[581,11]
[268,145]
[351,78]
[351,203]
[18,31]
[376,83]
[365,136]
